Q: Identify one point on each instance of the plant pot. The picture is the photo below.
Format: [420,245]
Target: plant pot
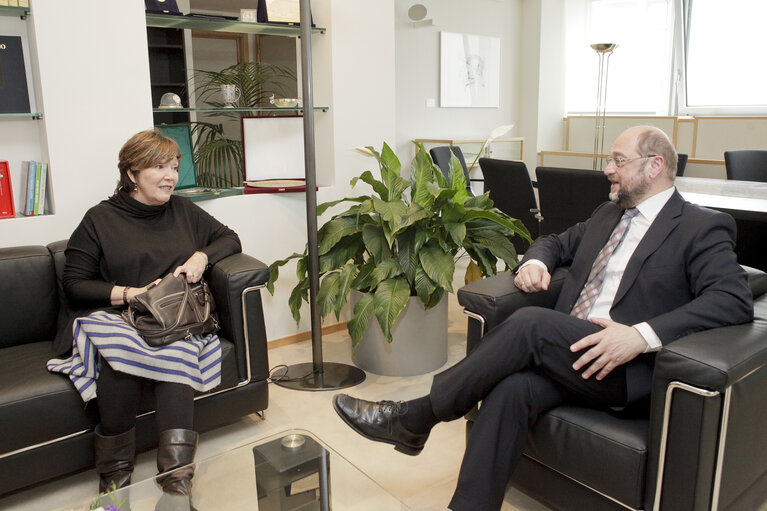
[419,342]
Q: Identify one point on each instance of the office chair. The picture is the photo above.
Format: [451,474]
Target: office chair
[512,192]
[681,163]
[568,196]
[441,157]
[746,165]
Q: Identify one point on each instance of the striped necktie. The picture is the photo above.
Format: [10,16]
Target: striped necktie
[598,270]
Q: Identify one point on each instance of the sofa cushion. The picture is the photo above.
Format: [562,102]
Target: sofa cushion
[27,282]
[35,405]
[601,450]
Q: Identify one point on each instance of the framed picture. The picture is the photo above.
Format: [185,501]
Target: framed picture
[279,11]
[181,133]
[273,148]
[470,70]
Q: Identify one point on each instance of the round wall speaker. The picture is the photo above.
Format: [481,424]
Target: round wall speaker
[417,12]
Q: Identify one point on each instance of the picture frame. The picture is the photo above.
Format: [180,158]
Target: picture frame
[470,70]
[273,148]
[279,11]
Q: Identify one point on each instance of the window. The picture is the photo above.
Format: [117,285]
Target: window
[724,45]
[639,71]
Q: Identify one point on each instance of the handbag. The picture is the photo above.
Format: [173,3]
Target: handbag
[172,310]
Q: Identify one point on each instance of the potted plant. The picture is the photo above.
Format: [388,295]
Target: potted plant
[401,243]
[218,158]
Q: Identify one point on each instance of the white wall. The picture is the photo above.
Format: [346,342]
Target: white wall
[86,87]
[418,75]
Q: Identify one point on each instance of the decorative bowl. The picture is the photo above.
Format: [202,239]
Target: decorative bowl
[286,102]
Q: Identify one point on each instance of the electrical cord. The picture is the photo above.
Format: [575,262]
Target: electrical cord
[283,377]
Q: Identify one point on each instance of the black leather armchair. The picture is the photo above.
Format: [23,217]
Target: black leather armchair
[45,430]
[699,442]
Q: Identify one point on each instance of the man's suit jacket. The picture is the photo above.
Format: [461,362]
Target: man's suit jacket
[682,278]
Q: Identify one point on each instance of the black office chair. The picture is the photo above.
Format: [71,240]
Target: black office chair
[512,192]
[681,163]
[569,196]
[441,157]
[746,165]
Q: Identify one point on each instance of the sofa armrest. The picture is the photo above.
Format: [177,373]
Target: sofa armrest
[706,390]
[496,298]
[235,282]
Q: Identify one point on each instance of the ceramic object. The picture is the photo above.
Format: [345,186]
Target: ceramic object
[419,342]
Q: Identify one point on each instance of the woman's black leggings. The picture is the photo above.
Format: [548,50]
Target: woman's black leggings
[119,395]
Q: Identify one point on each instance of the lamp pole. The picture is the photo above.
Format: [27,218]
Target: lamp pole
[317,375]
[604,51]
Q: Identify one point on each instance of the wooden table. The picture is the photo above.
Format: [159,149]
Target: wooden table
[746,201]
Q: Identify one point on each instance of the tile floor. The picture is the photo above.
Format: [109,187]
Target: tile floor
[423,483]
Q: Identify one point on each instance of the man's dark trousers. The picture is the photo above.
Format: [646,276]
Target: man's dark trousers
[522,368]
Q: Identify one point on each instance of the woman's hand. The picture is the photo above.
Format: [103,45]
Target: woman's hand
[193,267]
[121,295]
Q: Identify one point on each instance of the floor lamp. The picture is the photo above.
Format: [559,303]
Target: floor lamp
[315,375]
[604,50]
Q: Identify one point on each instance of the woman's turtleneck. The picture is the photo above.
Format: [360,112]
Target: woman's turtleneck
[123,201]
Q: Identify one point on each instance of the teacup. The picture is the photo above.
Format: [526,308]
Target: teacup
[230,93]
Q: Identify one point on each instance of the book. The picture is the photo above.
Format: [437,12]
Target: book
[29,195]
[36,197]
[14,96]
[7,208]
[43,188]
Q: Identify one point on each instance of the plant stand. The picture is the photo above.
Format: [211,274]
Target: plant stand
[419,342]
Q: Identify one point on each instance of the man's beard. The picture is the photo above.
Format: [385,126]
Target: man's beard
[631,193]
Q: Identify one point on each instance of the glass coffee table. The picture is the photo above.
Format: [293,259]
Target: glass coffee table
[292,470]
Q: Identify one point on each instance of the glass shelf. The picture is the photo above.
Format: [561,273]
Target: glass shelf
[219,25]
[236,110]
[32,115]
[21,12]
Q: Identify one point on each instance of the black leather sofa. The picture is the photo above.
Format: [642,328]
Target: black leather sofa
[45,429]
[699,443]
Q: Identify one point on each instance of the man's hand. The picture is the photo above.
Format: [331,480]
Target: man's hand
[532,278]
[611,347]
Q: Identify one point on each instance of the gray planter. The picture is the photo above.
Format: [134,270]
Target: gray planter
[419,342]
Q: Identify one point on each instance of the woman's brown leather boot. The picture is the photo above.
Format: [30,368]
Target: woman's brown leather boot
[114,458]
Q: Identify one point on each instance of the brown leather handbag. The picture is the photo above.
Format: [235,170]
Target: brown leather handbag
[172,310]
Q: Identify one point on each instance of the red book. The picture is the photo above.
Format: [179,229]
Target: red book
[6,192]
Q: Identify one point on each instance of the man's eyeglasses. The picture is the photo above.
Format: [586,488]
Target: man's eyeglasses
[620,162]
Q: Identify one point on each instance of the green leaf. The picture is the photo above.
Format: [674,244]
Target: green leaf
[326,205]
[406,254]
[435,298]
[274,271]
[376,242]
[344,286]
[499,218]
[390,173]
[457,232]
[379,187]
[362,282]
[327,294]
[348,248]
[363,311]
[497,244]
[385,270]
[414,214]
[438,265]
[421,173]
[390,299]
[424,286]
[332,232]
[457,179]
[300,293]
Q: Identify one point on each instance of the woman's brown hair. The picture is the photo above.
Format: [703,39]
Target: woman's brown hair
[143,150]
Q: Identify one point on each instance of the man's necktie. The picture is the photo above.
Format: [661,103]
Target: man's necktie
[598,269]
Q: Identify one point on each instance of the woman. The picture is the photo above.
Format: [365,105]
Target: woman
[122,245]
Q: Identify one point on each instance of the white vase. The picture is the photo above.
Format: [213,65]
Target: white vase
[419,341]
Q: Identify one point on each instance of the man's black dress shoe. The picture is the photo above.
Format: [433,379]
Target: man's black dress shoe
[379,421]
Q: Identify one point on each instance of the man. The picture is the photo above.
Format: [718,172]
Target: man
[646,269]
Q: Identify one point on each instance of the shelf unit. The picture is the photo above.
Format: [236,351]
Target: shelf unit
[225,25]
[167,71]
[20,12]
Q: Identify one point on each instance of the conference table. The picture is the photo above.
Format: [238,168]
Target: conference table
[746,201]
